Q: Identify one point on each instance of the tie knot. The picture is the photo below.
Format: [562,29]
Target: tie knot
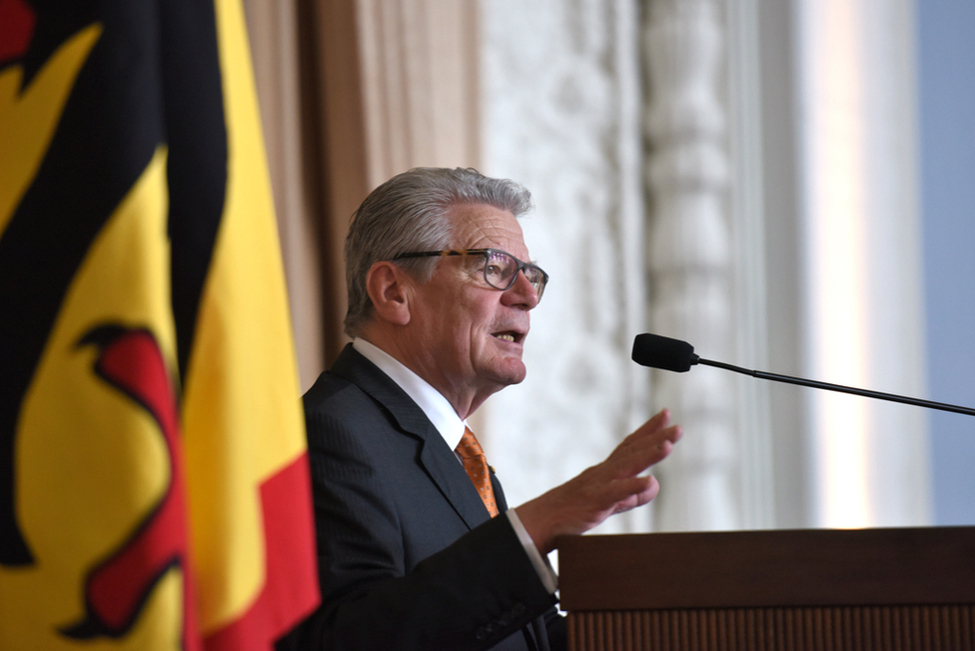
[468,447]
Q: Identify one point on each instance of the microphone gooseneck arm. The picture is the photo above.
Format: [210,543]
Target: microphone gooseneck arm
[669,354]
[835,387]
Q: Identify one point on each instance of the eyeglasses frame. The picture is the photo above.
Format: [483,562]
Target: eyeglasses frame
[521,266]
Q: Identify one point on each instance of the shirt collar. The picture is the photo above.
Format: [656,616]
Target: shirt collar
[433,404]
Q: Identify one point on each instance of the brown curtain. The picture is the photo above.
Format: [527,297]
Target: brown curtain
[351,93]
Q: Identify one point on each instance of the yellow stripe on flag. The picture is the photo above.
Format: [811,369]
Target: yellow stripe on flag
[242,415]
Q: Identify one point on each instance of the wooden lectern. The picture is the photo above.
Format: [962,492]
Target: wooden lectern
[808,590]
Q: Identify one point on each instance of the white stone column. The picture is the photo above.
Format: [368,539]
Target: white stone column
[689,255]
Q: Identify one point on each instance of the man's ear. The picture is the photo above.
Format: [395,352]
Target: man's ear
[390,289]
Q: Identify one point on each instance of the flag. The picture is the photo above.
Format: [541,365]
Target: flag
[154,488]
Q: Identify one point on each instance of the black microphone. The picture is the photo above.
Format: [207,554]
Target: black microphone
[669,354]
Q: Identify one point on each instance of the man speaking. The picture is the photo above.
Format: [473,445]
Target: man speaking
[417,547]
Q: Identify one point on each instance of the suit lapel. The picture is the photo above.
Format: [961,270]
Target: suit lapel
[498,493]
[436,457]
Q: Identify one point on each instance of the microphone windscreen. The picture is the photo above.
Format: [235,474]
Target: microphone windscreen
[663,352]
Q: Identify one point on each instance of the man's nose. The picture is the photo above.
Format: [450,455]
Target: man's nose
[522,292]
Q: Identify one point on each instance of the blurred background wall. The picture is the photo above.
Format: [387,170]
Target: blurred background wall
[946,95]
[785,184]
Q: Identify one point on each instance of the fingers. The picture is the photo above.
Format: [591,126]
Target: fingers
[657,423]
[657,428]
[651,443]
[658,420]
[630,493]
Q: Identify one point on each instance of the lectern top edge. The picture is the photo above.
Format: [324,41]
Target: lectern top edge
[790,568]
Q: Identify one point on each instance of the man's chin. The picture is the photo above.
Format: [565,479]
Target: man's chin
[502,369]
[512,373]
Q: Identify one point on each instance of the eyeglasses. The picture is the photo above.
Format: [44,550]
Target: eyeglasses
[500,268]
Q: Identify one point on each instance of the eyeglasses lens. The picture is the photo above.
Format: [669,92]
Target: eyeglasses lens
[499,269]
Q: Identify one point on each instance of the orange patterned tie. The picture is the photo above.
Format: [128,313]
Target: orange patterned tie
[475,463]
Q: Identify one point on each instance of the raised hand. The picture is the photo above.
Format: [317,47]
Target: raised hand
[612,486]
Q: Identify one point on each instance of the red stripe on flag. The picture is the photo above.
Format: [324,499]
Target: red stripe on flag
[291,585]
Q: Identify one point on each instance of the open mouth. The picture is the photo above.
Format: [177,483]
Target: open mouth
[513,337]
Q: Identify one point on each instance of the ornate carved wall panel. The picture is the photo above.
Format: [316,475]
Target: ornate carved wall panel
[561,114]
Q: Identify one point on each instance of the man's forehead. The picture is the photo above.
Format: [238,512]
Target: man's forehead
[483,225]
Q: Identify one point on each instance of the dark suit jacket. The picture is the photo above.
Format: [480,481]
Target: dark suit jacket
[408,556]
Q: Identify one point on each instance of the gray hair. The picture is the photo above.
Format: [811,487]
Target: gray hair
[411,213]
